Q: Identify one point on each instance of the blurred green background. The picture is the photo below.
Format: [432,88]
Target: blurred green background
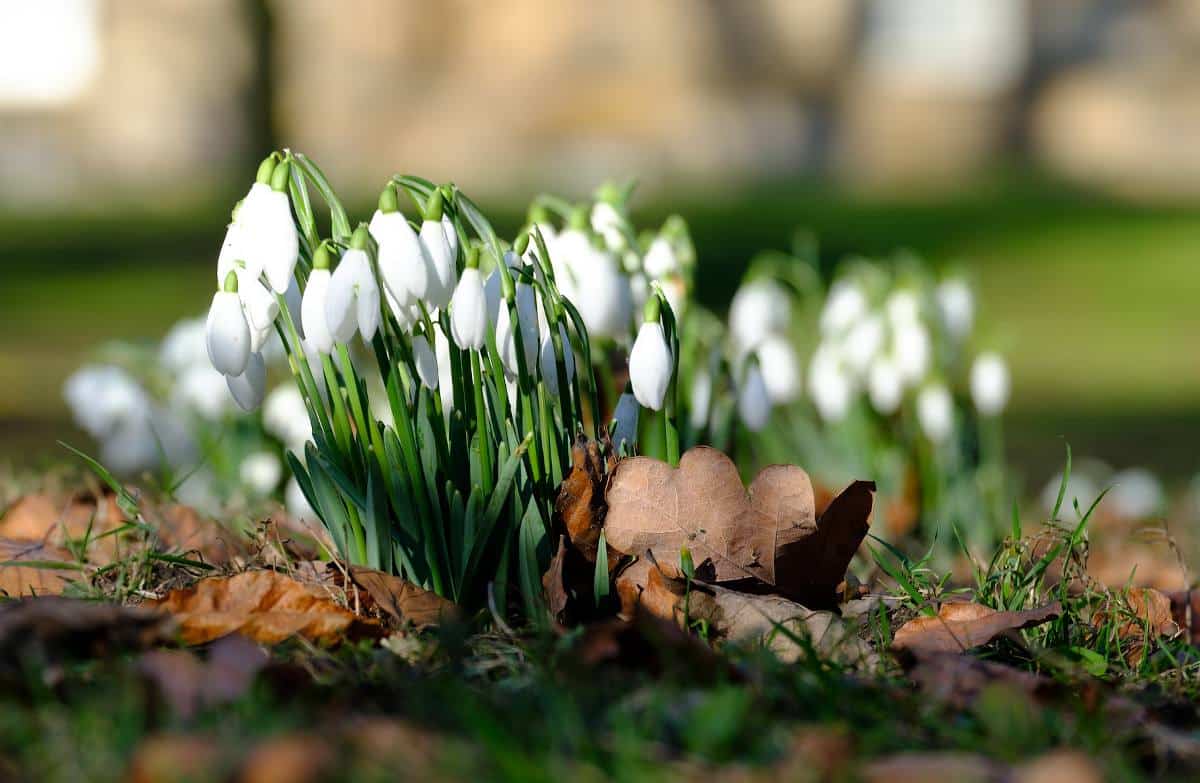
[1049,147]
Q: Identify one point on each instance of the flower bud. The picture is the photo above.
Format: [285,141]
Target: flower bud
[990,384]
[426,362]
[935,412]
[780,369]
[625,424]
[700,398]
[438,256]
[352,301]
[912,350]
[271,241]
[844,306]
[227,333]
[885,386]
[759,308]
[660,259]
[260,472]
[468,311]
[754,402]
[312,311]
[249,387]
[650,365]
[403,265]
[956,303]
[829,385]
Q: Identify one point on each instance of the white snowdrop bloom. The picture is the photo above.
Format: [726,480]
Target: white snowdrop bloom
[990,384]
[1136,494]
[650,366]
[469,311]
[236,253]
[298,507]
[505,338]
[130,448]
[844,306]
[271,242]
[249,388]
[911,350]
[884,386]
[935,412]
[403,265]
[184,346]
[260,472]
[660,259]
[829,385]
[491,287]
[625,424]
[549,361]
[227,335]
[352,302]
[286,417]
[759,308]
[754,400]
[451,236]
[441,349]
[101,397]
[442,271]
[426,361]
[406,317]
[700,398]
[780,369]
[639,289]
[312,312]
[862,344]
[1080,487]
[607,222]
[571,249]
[202,390]
[903,308]
[605,302]
[261,308]
[956,303]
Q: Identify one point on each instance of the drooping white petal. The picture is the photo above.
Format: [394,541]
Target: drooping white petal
[442,273]
[260,472]
[451,236]
[227,334]
[660,259]
[604,299]
[441,349]
[505,338]
[313,312]
[403,266]
[423,357]
[491,288]
[275,239]
[885,387]
[101,397]
[844,306]
[238,253]
[201,390]
[862,343]
[607,222]
[903,308]
[650,366]
[184,347]
[249,388]
[352,302]
[912,350]
[780,369]
[468,311]
[754,401]
[956,302]
[261,308]
[286,417]
[759,308]
[549,360]
[700,398]
[990,384]
[829,385]
[935,412]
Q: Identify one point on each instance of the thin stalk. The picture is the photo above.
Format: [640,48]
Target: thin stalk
[481,427]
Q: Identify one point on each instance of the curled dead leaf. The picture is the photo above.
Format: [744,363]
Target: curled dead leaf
[552,583]
[265,606]
[768,534]
[961,626]
[34,568]
[580,505]
[404,601]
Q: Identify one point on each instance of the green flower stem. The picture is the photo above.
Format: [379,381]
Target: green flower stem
[301,370]
[481,428]
[671,424]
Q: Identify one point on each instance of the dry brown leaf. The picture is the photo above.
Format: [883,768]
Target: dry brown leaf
[40,517]
[769,534]
[187,684]
[580,505]
[53,627]
[552,583]
[925,767]
[958,680]
[1059,766]
[265,606]
[960,626]
[403,600]
[18,580]
[1149,610]
[630,583]
[182,528]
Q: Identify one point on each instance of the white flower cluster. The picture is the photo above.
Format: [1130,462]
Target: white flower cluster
[760,316]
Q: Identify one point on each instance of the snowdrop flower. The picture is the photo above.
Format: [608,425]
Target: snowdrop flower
[700,398]
[298,507]
[885,386]
[829,385]
[352,302]
[312,306]
[935,412]
[403,266]
[608,222]
[754,399]
[227,335]
[203,390]
[990,384]
[1080,487]
[911,350]
[267,236]
[639,289]
[1137,494]
[131,447]
[903,308]
[469,307]
[759,308]
[491,287]
[286,417]
[260,472]
[605,301]
[249,388]
[451,236]
[101,397]
[549,361]
[956,303]
[625,423]
[650,364]
[780,369]
[660,259]
[862,344]
[427,365]
[442,272]
[184,346]
[261,308]
[236,252]
[844,306]
[441,350]
[527,315]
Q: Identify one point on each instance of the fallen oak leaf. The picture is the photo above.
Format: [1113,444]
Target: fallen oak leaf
[580,504]
[265,606]
[34,568]
[403,600]
[181,528]
[1138,616]
[39,517]
[961,626]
